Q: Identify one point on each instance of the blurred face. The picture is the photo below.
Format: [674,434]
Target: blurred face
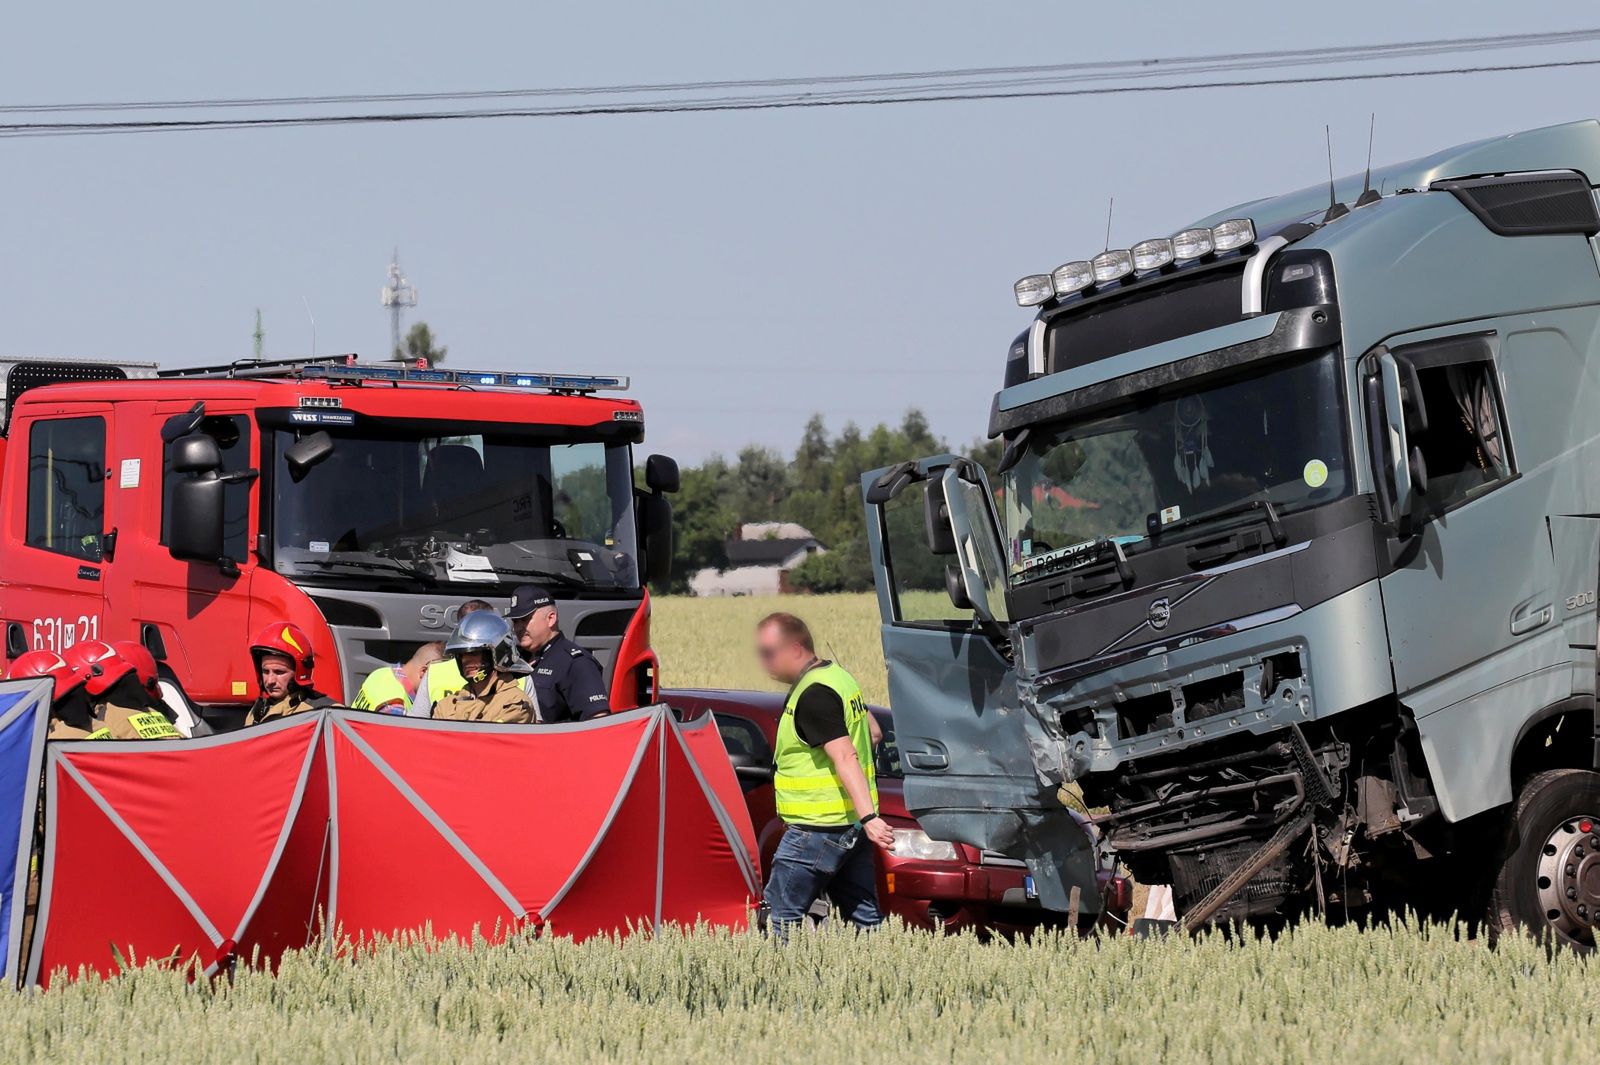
[276,675]
[535,630]
[474,665]
[782,658]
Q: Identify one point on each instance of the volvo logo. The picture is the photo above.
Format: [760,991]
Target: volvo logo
[1160,613]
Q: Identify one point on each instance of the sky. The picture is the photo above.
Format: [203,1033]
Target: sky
[746,270]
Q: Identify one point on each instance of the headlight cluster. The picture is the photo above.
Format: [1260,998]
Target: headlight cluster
[1113,265]
[915,843]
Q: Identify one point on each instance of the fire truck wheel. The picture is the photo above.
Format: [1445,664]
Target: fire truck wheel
[1548,883]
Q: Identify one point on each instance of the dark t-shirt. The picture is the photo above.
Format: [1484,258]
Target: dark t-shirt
[819,714]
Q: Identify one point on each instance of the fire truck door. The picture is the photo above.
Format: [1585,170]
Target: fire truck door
[58,527]
[202,610]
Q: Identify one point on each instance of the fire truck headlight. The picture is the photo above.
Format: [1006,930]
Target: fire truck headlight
[1110,265]
[1192,244]
[1234,233]
[1152,254]
[1073,277]
[1034,290]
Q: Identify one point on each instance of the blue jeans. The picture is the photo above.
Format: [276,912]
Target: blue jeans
[797,881]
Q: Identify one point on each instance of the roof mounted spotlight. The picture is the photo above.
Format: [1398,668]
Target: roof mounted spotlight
[1153,254]
[1034,290]
[1112,264]
[1234,233]
[1192,244]
[1073,277]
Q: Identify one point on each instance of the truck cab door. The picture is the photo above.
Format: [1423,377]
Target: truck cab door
[57,536]
[964,740]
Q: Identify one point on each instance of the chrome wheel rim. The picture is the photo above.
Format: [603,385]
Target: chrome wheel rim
[1568,879]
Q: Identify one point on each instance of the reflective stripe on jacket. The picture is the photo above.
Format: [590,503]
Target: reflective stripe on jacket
[807,787]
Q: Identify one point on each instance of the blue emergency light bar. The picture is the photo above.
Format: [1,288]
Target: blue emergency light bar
[550,382]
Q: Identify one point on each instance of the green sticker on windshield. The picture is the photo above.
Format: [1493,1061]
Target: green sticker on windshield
[1316,473]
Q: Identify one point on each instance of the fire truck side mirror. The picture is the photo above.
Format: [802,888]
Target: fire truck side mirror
[307,452]
[661,474]
[655,528]
[194,533]
[196,453]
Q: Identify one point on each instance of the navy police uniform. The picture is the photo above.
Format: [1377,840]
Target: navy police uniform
[567,678]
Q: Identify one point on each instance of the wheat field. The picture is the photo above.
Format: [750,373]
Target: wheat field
[1317,994]
[708,643]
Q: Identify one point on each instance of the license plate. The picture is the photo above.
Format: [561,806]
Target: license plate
[1028,887]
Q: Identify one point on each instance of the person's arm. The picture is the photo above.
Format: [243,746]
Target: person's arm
[584,688]
[875,729]
[845,763]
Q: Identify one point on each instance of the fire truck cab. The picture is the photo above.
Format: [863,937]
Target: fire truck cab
[365,503]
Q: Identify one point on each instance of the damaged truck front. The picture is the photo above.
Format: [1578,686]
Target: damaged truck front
[1290,560]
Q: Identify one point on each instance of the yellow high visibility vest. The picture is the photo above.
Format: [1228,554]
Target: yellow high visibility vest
[444,678]
[381,688]
[806,785]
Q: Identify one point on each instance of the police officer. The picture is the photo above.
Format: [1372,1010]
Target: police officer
[443,677]
[567,680]
[119,699]
[484,648]
[71,712]
[825,786]
[390,690]
[283,658]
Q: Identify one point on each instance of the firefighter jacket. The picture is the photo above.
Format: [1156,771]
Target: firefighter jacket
[503,701]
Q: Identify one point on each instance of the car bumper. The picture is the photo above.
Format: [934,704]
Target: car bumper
[957,896]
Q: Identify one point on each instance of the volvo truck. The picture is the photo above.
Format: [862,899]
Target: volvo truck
[1288,565]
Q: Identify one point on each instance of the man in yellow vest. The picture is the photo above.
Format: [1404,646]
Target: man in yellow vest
[825,785]
[444,677]
[390,690]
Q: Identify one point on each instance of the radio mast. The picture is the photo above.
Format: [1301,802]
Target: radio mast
[398,295]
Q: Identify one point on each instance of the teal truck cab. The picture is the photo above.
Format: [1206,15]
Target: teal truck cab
[1289,562]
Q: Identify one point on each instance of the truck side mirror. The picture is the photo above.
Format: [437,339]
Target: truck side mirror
[195,453]
[655,532]
[936,520]
[661,474]
[180,425]
[194,532]
[306,453]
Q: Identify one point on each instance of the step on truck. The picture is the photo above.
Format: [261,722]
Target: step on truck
[1289,564]
[365,503]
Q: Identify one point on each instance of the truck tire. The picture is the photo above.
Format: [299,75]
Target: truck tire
[1548,883]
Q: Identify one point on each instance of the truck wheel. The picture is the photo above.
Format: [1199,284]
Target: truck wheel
[1549,877]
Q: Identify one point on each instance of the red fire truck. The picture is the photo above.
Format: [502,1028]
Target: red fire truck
[187,508]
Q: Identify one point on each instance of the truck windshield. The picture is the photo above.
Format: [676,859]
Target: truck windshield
[1276,435]
[483,511]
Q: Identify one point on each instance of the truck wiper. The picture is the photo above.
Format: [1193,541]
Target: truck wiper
[1261,509]
[545,574]
[386,567]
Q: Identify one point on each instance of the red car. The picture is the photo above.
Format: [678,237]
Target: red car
[926,882]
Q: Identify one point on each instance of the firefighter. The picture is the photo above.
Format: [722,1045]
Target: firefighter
[390,690]
[120,700]
[283,658]
[568,683]
[485,649]
[824,786]
[443,678]
[71,712]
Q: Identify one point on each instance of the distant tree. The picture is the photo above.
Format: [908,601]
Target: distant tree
[420,343]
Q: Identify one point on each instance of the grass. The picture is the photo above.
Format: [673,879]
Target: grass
[1317,994]
[708,643]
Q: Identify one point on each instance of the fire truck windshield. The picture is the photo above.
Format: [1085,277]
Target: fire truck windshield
[1276,435]
[482,511]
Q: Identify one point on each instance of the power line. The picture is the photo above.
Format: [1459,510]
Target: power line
[753,103]
[1101,70]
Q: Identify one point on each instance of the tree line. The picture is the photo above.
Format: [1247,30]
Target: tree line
[819,487]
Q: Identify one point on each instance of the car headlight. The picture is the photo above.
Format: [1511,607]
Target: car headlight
[915,843]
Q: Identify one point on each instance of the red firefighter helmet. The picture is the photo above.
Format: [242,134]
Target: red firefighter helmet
[100,663]
[288,640]
[144,663]
[47,664]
